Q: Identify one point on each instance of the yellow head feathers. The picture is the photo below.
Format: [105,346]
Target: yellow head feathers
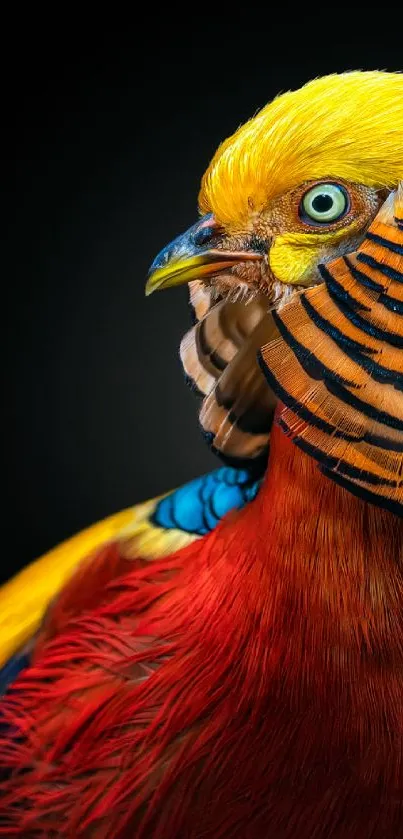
[347,126]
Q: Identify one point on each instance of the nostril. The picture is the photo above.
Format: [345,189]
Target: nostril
[203,236]
[205,231]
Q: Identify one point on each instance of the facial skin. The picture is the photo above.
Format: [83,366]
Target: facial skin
[279,248]
[292,243]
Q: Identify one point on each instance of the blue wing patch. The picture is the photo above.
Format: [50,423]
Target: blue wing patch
[198,506]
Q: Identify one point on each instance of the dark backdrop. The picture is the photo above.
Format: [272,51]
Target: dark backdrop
[112,135]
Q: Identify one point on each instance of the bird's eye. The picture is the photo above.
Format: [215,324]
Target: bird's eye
[324,204]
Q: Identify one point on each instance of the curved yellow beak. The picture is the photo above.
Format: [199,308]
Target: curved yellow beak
[194,255]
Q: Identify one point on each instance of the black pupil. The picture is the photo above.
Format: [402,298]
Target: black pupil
[322,203]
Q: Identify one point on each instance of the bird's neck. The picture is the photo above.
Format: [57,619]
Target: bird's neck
[323,566]
[303,507]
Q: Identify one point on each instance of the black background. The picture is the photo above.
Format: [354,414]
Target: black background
[110,135]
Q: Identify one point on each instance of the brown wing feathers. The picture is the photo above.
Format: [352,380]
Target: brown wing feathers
[219,358]
[237,413]
[200,299]
[338,365]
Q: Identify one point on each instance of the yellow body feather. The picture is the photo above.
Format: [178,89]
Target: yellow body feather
[25,598]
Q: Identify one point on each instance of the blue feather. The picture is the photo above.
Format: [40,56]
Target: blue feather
[198,506]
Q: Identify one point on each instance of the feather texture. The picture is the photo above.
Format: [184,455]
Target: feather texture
[338,366]
[307,134]
[150,530]
[248,685]
[219,359]
[244,687]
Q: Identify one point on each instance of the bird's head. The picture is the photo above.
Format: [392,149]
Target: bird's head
[297,185]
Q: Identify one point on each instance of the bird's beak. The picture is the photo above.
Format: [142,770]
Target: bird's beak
[194,255]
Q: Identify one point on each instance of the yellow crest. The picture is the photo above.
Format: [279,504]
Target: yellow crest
[347,126]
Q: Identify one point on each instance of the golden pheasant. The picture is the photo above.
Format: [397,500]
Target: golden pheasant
[229,662]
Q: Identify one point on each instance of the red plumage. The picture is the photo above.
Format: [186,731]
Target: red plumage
[247,687]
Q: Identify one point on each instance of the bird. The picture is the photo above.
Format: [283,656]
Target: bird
[227,660]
